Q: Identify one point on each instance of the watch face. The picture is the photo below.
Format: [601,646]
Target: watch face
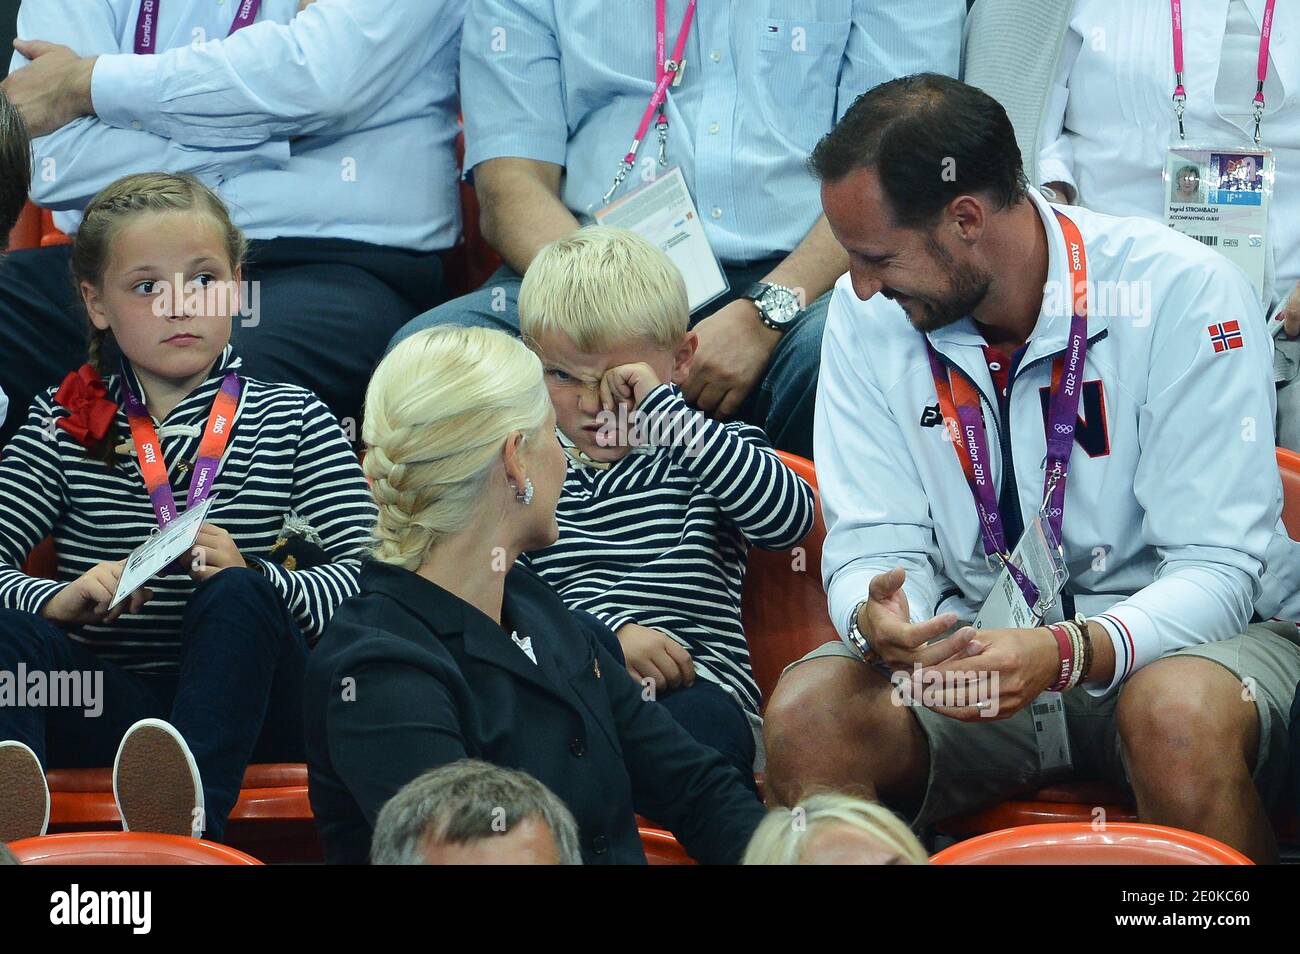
[779,305]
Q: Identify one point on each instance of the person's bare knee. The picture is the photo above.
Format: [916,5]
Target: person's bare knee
[1188,728]
[830,725]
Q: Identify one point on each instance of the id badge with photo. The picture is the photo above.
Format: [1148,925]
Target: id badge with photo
[1038,556]
[662,212]
[1220,197]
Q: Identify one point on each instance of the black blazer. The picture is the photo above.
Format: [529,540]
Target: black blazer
[409,677]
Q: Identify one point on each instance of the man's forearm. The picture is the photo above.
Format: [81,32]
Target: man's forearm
[521,209]
[815,264]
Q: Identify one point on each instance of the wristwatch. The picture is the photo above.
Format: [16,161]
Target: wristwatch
[857,640]
[778,306]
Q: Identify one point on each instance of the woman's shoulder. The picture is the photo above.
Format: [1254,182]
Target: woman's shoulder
[372,629]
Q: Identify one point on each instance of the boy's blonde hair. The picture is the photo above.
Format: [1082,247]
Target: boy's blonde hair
[603,285]
[782,836]
[438,410]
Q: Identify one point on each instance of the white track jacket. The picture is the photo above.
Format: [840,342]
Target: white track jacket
[1171,529]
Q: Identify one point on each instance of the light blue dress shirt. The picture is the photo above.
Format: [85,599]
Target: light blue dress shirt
[338,122]
[566,81]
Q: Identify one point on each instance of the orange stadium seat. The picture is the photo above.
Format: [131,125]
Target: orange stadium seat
[661,848]
[272,817]
[125,848]
[50,234]
[26,232]
[783,606]
[1080,844]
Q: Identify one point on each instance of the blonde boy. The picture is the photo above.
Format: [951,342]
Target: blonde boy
[660,503]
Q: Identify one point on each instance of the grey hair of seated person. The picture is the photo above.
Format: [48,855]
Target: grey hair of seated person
[7,857]
[15,165]
[466,801]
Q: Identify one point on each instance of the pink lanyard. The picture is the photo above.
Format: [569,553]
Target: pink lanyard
[667,72]
[1261,68]
[146,24]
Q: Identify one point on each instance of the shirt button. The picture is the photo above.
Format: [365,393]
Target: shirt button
[599,845]
[136,124]
[715,56]
[578,748]
[715,212]
[713,129]
[994,366]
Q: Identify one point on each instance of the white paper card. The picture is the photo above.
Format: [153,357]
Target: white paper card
[161,550]
[663,212]
[1050,732]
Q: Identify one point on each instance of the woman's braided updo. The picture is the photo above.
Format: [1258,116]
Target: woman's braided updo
[438,410]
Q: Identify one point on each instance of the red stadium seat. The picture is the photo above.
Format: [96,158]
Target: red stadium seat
[1080,844]
[783,606]
[272,817]
[50,234]
[1288,464]
[661,848]
[26,232]
[125,848]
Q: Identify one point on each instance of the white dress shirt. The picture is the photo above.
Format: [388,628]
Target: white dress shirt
[337,122]
[1110,119]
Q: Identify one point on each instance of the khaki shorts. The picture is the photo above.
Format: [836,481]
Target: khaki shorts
[977,764]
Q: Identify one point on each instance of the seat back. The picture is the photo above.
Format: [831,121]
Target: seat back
[1078,843]
[1288,465]
[125,848]
[783,606]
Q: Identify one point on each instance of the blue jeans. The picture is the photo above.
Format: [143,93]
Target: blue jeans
[782,404]
[238,693]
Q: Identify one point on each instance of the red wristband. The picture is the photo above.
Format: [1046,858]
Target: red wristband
[1066,649]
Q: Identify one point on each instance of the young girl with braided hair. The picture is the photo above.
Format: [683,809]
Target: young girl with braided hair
[159,420]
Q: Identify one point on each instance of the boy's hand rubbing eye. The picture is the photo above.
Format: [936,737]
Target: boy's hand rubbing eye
[627,384]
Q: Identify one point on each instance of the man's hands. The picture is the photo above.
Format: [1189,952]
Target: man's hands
[1006,668]
[651,654]
[733,352]
[1014,668]
[53,89]
[885,621]
[214,550]
[86,599]
[1290,315]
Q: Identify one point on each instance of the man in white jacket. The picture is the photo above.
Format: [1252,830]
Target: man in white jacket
[955,321]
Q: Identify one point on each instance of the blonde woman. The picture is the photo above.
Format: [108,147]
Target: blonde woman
[832,829]
[452,652]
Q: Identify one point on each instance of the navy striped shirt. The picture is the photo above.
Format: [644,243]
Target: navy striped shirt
[661,539]
[286,455]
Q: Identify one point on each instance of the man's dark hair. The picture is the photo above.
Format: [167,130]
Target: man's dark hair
[930,138]
[15,166]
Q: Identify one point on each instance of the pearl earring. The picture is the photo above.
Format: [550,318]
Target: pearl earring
[527,496]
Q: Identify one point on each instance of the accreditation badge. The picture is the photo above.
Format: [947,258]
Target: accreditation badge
[1039,557]
[662,212]
[1220,196]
